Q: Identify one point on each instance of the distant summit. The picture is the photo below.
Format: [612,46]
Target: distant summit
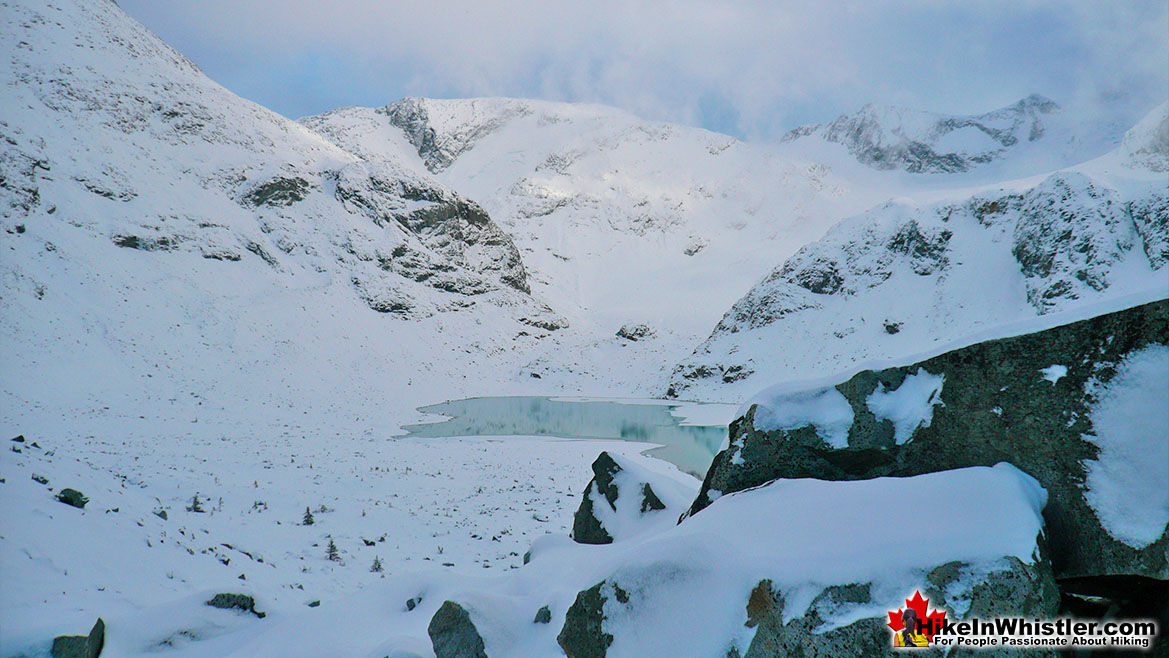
[885,137]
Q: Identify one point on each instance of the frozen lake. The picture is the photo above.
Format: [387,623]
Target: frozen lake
[687,434]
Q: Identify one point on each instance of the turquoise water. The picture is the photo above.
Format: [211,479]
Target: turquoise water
[689,447]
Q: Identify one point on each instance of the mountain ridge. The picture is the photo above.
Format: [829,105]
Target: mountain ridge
[931,270]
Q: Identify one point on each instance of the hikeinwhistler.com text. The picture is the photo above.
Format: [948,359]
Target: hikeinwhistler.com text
[1061,632]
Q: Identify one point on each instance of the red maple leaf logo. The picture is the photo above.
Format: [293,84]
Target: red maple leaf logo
[930,622]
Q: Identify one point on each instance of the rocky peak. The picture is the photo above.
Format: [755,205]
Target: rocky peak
[442,130]
[886,137]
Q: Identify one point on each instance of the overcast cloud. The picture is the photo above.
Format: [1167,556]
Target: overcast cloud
[753,69]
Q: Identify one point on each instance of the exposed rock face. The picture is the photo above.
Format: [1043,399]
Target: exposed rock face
[1151,217]
[278,191]
[1070,234]
[620,497]
[439,136]
[921,142]
[453,634]
[456,228]
[1028,400]
[80,646]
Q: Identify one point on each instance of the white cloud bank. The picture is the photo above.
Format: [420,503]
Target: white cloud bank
[754,68]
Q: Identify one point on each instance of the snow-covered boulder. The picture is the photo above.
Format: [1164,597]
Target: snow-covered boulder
[1083,407]
[628,496]
[807,567]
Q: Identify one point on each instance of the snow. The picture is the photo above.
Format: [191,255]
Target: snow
[604,207]
[1127,485]
[788,531]
[824,409]
[242,361]
[910,405]
[1054,373]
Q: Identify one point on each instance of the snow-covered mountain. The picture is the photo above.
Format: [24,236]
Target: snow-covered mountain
[156,224]
[1029,137]
[204,301]
[620,221]
[904,275]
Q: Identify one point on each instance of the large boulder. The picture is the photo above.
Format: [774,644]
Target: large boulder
[73,497]
[80,646]
[453,634]
[627,496]
[1083,408]
[813,568]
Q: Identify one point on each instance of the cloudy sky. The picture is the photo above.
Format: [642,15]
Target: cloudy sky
[745,67]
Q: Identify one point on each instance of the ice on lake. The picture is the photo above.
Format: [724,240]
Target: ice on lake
[690,447]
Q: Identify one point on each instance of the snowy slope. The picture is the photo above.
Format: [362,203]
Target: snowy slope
[620,221]
[676,574]
[908,274]
[200,296]
[168,241]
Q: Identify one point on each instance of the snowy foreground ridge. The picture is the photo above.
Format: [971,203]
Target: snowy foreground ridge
[217,322]
[672,575]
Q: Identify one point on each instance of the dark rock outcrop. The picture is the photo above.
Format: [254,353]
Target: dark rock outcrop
[996,401]
[80,646]
[453,634]
[457,229]
[635,332]
[1151,218]
[587,527]
[73,497]
[242,602]
[582,635]
[279,191]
